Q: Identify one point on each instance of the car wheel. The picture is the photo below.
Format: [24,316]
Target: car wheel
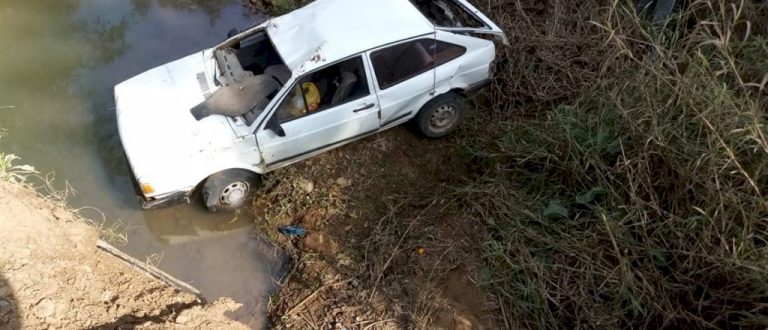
[228,190]
[441,116]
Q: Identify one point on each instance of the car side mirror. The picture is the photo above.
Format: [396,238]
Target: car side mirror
[232,33]
[274,126]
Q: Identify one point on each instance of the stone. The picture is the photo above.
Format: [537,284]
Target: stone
[343,182]
[45,308]
[183,318]
[307,186]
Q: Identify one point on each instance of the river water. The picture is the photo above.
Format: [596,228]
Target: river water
[59,60]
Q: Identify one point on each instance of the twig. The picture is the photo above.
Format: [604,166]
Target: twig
[148,269]
[397,247]
[378,322]
[304,301]
[312,295]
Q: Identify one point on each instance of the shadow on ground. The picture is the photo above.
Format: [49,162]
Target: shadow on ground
[9,312]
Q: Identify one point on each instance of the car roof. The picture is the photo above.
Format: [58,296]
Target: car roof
[326,31]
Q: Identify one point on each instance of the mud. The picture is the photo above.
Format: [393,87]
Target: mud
[52,276]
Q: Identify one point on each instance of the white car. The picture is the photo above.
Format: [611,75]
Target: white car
[295,86]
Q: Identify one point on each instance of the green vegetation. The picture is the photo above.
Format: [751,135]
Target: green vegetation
[9,171]
[639,200]
[617,172]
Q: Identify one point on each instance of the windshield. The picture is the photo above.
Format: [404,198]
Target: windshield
[247,98]
[250,73]
[252,55]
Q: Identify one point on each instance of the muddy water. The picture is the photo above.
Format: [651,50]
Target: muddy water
[58,62]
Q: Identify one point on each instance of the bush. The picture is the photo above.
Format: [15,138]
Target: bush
[639,202]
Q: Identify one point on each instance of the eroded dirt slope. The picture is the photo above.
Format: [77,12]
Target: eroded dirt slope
[52,276]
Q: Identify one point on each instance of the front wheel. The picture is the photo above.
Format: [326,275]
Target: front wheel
[441,116]
[228,190]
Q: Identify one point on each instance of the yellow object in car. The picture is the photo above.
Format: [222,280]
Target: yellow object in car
[312,95]
[305,100]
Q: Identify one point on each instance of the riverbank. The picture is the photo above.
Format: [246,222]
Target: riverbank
[53,276]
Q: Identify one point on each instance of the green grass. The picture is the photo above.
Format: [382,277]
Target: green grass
[639,202]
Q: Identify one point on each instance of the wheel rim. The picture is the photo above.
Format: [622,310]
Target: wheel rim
[235,194]
[443,118]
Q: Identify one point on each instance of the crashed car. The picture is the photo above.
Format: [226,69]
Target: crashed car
[322,76]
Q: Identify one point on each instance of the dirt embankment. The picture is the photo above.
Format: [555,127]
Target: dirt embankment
[52,276]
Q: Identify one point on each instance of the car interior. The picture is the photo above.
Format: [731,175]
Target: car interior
[340,83]
[337,84]
[399,62]
[256,53]
[447,13]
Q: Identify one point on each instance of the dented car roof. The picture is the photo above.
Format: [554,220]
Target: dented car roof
[330,30]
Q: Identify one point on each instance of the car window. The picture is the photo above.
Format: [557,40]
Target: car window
[397,63]
[448,13]
[446,52]
[293,105]
[324,89]
[400,62]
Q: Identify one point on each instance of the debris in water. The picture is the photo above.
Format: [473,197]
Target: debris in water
[292,231]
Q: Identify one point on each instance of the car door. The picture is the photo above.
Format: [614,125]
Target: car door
[405,77]
[322,110]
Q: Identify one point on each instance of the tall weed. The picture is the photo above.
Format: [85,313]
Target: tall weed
[642,201]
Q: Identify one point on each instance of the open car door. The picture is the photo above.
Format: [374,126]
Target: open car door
[459,16]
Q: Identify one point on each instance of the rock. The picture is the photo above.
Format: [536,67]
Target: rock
[307,186]
[45,308]
[4,304]
[184,317]
[343,182]
[5,291]
[108,296]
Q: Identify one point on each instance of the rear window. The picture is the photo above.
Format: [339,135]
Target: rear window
[401,62]
[448,13]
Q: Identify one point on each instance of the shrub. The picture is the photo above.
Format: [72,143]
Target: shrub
[640,201]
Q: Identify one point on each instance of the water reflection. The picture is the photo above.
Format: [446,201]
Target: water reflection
[59,60]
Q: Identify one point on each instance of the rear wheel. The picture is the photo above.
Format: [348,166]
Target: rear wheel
[441,116]
[228,190]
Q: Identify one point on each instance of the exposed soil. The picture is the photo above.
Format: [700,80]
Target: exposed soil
[382,251]
[52,276]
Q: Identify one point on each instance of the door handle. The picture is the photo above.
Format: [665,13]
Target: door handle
[364,107]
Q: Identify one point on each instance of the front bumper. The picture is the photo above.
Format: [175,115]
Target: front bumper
[165,200]
[157,202]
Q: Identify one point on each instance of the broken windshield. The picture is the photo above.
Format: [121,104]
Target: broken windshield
[250,74]
[252,55]
[247,98]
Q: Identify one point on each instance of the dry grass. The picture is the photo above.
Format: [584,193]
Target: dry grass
[635,198]
[639,202]
[30,178]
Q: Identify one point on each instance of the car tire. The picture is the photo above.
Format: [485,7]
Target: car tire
[228,190]
[441,115]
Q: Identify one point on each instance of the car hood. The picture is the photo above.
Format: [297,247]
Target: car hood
[159,134]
